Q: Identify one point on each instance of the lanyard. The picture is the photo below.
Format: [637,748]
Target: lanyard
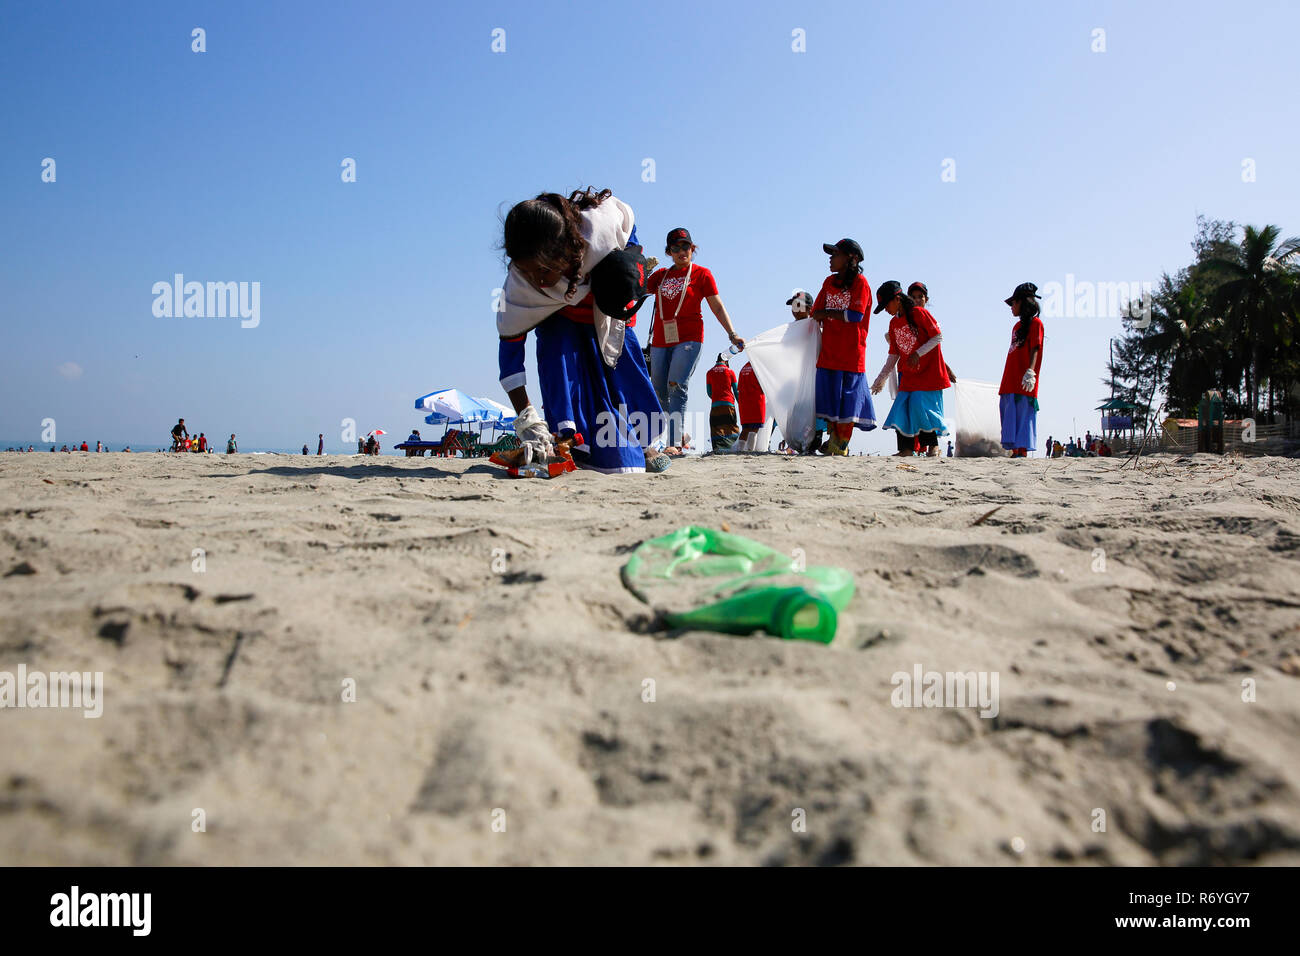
[685,286]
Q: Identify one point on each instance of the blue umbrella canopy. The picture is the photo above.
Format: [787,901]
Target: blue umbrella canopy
[450,406]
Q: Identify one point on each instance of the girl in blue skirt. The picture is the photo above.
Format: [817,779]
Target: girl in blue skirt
[590,367]
[914,348]
[1018,394]
[843,397]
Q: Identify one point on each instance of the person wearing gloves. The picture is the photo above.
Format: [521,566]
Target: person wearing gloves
[1019,390]
[753,409]
[842,395]
[576,278]
[801,304]
[914,348]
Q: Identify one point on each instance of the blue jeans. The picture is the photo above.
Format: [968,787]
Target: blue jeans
[671,369]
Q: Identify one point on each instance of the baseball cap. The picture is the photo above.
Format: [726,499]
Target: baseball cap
[678,235]
[801,296]
[846,246]
[618,284]
[885,293]
[918,285]
[1026,290]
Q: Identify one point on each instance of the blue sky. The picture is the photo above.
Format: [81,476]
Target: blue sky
[225,166]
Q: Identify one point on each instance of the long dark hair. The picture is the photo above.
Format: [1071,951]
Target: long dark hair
[844,278]
[1028,310]
[550,228]
[908,305]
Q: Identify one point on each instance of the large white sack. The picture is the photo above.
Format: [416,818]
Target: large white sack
[785,361]
[976,419]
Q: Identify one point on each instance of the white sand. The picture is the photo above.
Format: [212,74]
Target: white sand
[522,691]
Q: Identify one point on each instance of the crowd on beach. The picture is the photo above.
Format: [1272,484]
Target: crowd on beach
[576,278]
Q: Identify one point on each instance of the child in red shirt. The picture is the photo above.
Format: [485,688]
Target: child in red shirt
[720,383]
[1019,390]
[753,408]
[914,348]
[843,397]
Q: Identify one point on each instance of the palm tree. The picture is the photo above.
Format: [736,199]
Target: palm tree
[1256,295]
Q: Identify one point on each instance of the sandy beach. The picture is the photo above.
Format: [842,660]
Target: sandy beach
[500,667]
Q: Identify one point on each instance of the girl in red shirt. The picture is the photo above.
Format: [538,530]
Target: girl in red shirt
[1019,390]
[914,348]
[677,337]
[843,397]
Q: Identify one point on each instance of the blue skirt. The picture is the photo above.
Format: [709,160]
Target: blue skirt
[614,409]
[915,412]
[845,397]
[1019,421]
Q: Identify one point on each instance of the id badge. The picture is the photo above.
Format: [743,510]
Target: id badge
[670,332]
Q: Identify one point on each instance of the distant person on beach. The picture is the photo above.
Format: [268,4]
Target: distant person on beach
[843,396]
[915,349]
[85,447]
[304,448]
[753,408]
[178,430]
[203,442]
[320,443]
[99,447]
[722,388]
[232,446]
[1048,452]
[949,449]
[1019,390]
[574,281]
[677,333]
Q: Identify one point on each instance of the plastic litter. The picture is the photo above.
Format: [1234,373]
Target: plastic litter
[712,580]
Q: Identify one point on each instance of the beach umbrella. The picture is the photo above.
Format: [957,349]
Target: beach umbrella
[451,405]
[505,414]
[377,431]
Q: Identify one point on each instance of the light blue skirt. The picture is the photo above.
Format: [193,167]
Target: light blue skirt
[915,412]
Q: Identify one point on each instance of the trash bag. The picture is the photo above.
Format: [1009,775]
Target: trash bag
[976,422]
[712,580]
[785,361]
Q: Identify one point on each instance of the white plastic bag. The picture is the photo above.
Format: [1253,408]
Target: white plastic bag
[785,361]
[976,419]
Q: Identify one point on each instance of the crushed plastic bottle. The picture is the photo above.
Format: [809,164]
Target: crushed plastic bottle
[702,578]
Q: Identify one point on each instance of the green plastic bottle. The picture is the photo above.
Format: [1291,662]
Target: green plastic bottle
[737,586]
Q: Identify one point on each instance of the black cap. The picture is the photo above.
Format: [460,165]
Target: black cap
[721,358]
[618,284]
[885,294]
[846,246]
[678,235]
[805,297]
[918,285]
[1026,290]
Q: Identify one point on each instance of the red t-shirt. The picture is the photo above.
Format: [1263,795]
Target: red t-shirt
[666,285]
[844,343]
[930,376]
[720,381]
[1018,359]
[753,403]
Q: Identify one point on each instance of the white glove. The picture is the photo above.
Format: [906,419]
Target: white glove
[534,436]
[1031,378]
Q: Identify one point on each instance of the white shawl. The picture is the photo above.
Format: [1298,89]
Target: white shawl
[605,228]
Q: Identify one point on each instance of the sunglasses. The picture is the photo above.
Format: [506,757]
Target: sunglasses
[680,247]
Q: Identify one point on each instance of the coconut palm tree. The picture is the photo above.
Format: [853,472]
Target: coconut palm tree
[1256,295]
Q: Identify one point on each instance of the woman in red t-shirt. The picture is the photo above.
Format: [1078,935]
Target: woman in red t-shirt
[914,348]
[1019,390]
[842,395]
[678,333]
